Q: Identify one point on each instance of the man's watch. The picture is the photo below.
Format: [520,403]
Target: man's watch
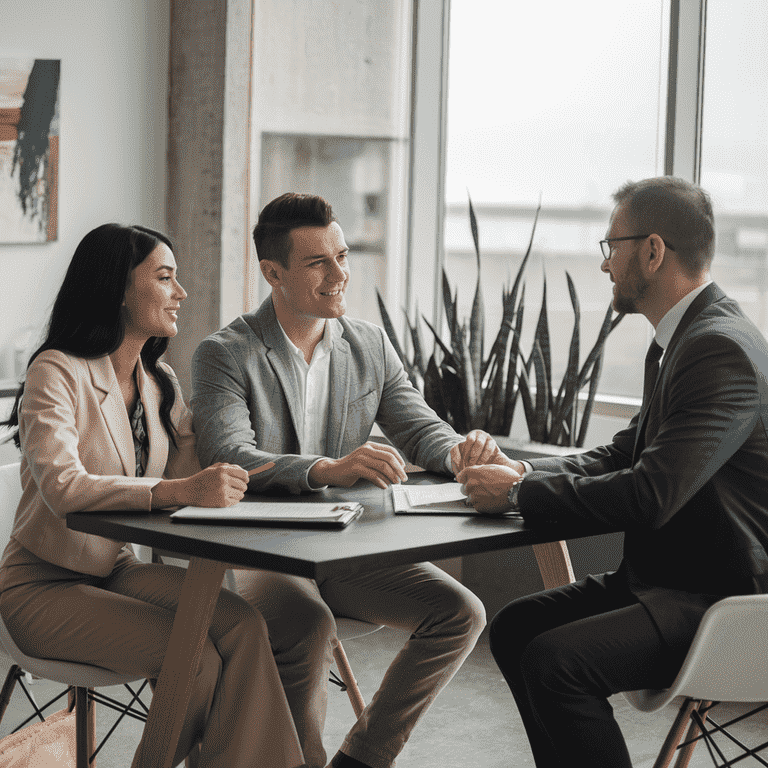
[512,495]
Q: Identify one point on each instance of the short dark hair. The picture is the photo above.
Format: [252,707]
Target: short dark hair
[271,235]
[678,211]
[87,318]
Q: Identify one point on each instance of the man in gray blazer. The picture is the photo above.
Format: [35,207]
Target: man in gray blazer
[298,383]
[686,481]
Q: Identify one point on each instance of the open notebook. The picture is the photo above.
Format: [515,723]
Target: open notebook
[309,514]
[442,499]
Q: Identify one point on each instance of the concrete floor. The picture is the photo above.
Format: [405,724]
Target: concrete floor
[472,724]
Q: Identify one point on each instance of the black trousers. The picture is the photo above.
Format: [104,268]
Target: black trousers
[564,651]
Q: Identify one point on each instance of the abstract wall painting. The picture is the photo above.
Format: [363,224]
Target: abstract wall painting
[29,149]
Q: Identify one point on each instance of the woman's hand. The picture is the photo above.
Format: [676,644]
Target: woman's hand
[220,485]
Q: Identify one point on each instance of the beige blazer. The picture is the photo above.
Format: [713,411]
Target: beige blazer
[78,454]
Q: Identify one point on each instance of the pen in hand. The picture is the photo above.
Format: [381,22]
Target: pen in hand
[262,468]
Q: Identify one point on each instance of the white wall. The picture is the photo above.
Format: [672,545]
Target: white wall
[113,101]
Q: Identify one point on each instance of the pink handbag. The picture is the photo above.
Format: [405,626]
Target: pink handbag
[50,744]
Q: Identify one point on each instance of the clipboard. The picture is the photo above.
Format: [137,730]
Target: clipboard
[312,514]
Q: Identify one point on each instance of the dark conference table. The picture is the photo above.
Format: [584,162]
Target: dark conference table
[378,538]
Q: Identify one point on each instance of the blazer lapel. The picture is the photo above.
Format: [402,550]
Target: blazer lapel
[278,355]
[338,396]
[158,437]
[113,409]
[708,296]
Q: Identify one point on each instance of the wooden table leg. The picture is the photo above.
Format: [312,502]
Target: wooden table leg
[182,658]
[554,564]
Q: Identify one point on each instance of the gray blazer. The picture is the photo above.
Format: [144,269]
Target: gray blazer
[246,410]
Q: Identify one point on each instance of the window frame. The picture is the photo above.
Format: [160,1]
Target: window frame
[427,209]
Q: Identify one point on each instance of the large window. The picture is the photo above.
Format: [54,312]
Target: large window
[734,157]
[331,117]
[565,101]
[395,111]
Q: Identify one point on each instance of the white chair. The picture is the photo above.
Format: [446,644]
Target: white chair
[727,661]
[81,679]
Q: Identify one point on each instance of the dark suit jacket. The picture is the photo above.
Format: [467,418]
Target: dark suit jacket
[688,479]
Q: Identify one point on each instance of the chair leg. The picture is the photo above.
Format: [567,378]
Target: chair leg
[85,726]
[8,686]
[345,672]
[686,751]
[675,734]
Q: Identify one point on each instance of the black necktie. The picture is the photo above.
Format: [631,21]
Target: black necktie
[651,370]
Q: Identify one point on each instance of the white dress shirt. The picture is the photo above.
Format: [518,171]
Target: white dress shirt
[667,326]
[314,390]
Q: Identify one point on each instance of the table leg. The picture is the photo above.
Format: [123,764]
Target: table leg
[554,564]
[182,658]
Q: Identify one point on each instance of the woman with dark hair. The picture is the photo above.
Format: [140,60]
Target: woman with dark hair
[102,425]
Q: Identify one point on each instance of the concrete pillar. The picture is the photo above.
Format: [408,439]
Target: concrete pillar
[195,169]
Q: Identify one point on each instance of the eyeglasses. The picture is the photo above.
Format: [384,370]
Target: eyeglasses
[605,245]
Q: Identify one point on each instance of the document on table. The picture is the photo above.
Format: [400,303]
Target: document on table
[442,499]
[329,514]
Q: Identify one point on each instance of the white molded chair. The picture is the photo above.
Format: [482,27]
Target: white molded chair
[81,679]
[727,661]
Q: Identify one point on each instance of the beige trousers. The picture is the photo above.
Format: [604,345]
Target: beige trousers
[238,713]
[444,619]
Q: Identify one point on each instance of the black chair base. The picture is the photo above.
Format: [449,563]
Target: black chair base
[83,700]
[702,727]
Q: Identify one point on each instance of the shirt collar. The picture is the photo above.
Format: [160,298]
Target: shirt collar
[324,346]
[668,324]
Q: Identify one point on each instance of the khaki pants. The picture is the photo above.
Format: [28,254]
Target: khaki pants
[444,618]
[238,713]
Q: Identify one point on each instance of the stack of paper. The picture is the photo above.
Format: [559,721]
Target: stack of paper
[442,499]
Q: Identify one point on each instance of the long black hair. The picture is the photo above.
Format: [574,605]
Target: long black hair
[87,319]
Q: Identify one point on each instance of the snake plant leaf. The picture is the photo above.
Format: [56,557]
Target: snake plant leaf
[564,410]
[593,380]
[541,336]
[447,354]
[520,270]
[605,330]
[449,306]
[525,395]
[542,393]
[467,377]
[476,334]
[418,355]
[434,393]
[389,328]
[486,414]
[508,314]
[514,353]
[473,227]
[455,399]
[477,318]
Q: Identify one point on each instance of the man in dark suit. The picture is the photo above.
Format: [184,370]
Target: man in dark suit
[687,482]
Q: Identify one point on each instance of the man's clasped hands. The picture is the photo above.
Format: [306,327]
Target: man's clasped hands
[478,464]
